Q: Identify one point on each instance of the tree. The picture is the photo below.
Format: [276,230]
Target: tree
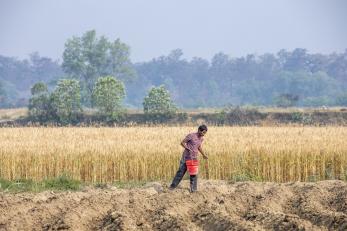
[87,58]
[286,100]
[342,99]
[108,94]
[318,101]
[44,69]
[297,60]
[66,100]
[40,108]
[220,71]
[3,97]
[158,101]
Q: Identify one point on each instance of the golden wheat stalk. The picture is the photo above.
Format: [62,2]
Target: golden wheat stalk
[279,154]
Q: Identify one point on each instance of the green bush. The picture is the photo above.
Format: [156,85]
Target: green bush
[40,107]
[299,117]
[66,101]
[108,94]
[238,116]
[159,100]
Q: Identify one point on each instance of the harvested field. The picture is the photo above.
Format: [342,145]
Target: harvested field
[218,205]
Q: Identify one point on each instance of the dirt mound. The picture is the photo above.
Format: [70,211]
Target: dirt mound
[217,206]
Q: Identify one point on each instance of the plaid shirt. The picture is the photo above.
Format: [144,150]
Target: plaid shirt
[193,141]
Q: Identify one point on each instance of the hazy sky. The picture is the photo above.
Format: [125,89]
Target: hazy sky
[155,27]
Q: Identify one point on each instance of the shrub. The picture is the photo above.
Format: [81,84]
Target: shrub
[158,105]
[66,100]
[40,107]
[108,94]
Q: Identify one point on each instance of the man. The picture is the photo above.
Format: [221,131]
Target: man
[192,145]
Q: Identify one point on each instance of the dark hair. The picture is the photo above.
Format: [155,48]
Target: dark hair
[202,128]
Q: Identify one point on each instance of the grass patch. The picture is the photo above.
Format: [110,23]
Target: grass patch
[60,183]
[19,185]
[129,184]
[239,177]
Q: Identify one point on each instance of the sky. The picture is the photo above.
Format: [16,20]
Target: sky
[201,28]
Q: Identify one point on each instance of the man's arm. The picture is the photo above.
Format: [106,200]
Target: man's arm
[184,144]
[203,154]
[185,141]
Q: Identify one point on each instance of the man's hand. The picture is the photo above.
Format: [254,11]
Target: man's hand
[203,153]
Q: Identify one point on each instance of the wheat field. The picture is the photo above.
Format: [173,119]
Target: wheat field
[279,154]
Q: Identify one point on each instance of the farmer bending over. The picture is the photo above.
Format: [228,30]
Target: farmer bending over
[189,160]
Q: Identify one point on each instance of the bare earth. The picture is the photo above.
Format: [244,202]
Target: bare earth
[217,206]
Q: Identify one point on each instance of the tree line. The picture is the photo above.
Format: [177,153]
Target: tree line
[287,78]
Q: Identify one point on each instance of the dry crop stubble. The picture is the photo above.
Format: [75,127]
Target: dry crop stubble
[278,154]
